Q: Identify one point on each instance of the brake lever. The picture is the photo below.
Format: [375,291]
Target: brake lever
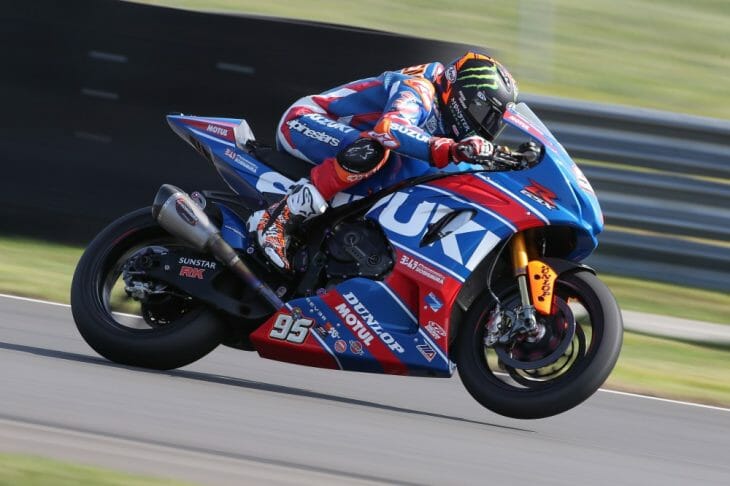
[528,157]
[500,161]
[520,160]
[509,160]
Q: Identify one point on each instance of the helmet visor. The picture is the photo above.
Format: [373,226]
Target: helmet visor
[487,118]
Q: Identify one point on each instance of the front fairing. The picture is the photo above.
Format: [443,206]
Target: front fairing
[556,186]
[554,192]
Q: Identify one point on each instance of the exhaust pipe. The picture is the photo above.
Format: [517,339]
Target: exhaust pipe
[177,213]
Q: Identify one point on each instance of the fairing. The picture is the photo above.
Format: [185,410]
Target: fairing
[401,325]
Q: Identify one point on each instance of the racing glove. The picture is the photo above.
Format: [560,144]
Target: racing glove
[474,150]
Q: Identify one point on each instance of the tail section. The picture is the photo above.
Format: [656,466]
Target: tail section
[210,128]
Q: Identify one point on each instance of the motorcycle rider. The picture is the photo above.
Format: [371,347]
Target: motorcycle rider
[427,112]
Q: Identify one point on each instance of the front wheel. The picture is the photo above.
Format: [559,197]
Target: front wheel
[568,364]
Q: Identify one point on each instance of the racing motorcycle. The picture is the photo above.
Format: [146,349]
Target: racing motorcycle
[414,271]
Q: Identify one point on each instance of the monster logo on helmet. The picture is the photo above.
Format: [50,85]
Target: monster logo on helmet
[474,93]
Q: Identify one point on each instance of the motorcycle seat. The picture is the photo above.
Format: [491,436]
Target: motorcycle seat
[288,165]
[292,167]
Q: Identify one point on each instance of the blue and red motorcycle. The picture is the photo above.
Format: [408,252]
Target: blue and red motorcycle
[413,272]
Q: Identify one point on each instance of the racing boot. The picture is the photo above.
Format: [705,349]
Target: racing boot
[302,202]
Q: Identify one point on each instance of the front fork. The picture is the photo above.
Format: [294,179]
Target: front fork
[526,322]
[520,261]
[523,320]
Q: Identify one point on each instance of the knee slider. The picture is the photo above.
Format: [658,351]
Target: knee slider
[361,156]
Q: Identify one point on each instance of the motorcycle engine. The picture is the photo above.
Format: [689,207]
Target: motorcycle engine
[358,249]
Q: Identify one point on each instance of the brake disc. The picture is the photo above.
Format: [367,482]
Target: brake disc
[559,332]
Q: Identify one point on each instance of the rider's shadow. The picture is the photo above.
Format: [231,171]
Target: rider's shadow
[243,383]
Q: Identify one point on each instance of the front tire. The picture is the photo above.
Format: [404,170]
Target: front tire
[184,333]
[555,387]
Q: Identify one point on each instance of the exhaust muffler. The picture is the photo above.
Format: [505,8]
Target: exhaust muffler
[178,214]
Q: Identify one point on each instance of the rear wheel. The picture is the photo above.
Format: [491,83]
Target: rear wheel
[161,327]
[569,362]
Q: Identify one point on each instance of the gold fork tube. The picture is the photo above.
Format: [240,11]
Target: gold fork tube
[519,254]
[519,265]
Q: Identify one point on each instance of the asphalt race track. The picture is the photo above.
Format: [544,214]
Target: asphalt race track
[234,418]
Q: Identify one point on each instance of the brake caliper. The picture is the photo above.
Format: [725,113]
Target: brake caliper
[134,274]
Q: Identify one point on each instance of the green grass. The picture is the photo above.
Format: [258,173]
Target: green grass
[21,470]
[672,369]
[32,268]
[665,54]
[670,300]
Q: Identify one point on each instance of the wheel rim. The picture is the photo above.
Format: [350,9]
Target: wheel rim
[123,311]
[569,345]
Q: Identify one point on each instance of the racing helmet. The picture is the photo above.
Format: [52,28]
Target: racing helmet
[474,91]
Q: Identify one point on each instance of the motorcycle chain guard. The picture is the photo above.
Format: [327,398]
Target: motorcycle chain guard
[206,279]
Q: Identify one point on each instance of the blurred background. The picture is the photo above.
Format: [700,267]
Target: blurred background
[635,89]
[667,54]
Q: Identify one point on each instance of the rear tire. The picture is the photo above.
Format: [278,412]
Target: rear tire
[527,395]
[172,345]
